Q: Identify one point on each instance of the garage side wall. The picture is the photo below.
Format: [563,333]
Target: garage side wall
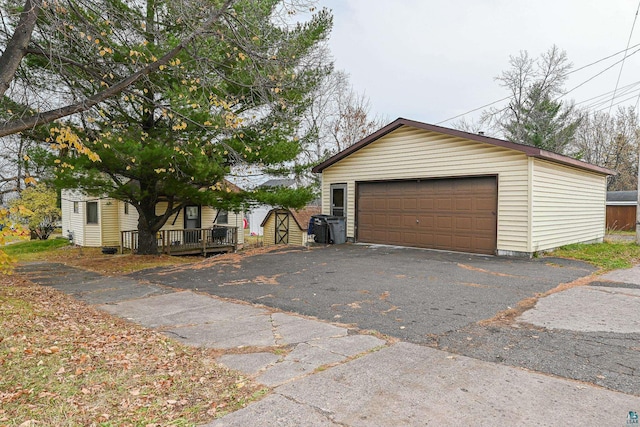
[409,153]
[568,205]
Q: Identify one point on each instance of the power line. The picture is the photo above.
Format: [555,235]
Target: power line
[474,110]
[598,74]
[567,74]
[635,18]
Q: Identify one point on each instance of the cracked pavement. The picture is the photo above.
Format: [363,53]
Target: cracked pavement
[581,341]
[273,347]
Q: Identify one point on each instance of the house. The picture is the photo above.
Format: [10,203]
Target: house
[105,222]
[288,226]
[421,185]
[621,210]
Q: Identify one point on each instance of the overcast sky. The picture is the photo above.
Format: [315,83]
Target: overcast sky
[430,60]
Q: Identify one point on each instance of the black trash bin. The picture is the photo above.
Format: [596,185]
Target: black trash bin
[319,227]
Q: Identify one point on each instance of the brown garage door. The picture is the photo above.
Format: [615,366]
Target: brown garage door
[457,214]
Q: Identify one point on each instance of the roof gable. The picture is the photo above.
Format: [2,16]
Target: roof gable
[526,149]
[301,216]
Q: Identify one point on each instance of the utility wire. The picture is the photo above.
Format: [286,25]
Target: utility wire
[598,74]
[567,74]
[635,18]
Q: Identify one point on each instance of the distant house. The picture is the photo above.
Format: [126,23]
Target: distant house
[420,185]
[105,222]
[621,210]
[288,226]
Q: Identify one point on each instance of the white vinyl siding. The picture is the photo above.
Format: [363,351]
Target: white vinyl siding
[409,153]
[568,205]
[127,222]
[73,222]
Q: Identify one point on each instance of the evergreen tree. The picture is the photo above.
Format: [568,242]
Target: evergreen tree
[232,97]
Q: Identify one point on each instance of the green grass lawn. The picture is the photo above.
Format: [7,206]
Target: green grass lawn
[24,251]
[607,256]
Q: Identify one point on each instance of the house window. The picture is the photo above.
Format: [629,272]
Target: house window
[223,217]
[76,208]
[126,208]
[92,212]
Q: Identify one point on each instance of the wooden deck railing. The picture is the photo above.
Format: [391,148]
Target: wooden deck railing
[186,242]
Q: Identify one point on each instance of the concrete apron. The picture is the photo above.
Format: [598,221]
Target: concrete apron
[401,384]
[201,320]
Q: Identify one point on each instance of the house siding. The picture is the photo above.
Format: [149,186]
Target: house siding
[109,222]
[92,232]
[568,206]
[127,222]
[75,222]
[112,220]
[207,214]
[410,153]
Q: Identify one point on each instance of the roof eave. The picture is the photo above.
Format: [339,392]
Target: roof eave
[526,149]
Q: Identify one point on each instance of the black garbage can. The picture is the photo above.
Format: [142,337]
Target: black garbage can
[319,227]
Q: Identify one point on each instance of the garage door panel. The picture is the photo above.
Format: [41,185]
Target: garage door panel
[444,223]
[395,204]
[464,223]
[464,243]
[426,204]
[444,241]
[452,214]
[464,204]
[408,221]
[443,203]
[485,203]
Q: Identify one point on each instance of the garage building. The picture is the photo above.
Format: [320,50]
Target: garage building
[421,185]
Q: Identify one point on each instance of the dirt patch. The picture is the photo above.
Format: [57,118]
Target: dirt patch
[508,316]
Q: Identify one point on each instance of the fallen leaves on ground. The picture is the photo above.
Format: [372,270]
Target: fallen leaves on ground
[94,260]
[66,363]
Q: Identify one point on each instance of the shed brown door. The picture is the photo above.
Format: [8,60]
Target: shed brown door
[457,214]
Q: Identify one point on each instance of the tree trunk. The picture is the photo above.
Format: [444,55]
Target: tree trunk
[147,241]
[17,46]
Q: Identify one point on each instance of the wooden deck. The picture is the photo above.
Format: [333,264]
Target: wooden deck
[197,241]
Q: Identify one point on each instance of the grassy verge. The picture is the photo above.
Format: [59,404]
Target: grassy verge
[64,363]
[59,250]
[607,256]
[29,248]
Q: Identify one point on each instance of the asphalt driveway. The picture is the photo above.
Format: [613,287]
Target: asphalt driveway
[411,294]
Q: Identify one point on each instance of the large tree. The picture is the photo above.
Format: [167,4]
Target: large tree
[534,115]
[22,37]
[611,141]
[337,118]
[231,96]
